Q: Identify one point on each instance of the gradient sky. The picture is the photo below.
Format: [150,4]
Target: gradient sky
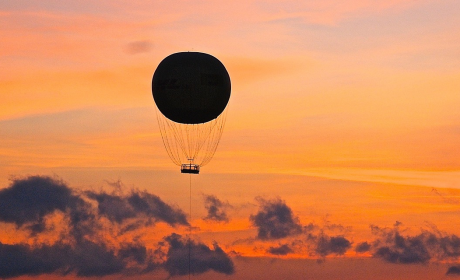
[344,117]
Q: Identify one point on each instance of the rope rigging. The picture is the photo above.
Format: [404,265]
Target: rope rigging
[191,143]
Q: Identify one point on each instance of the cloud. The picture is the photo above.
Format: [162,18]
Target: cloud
[455,270]
[202,258]
[92,259]
[431,244]
[118,208]
[275,220]
[216,209]
[137,47]
[314,244]
[20,259]
[363,247]
[326,245]
[395,248]
[28,201]
[87,242]
[113,207]
[281,250]
[85,258]
[153,206]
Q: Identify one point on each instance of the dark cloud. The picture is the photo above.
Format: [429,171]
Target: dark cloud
[275,220]
[85,258]
[396,248]
[453,270]
[82,248]
[413,252]
[363,247]
[152,206]
[137,47]
[202,258]
[326,245]
[216,209]
[118,208]
[314,244]
[137,252]
[20,259]
[90,259]
[432,244]
[281,250]
[113,207]
[28,201]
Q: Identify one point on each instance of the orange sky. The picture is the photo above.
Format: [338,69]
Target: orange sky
[346,111]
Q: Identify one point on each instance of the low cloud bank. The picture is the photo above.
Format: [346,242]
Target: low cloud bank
[82,248]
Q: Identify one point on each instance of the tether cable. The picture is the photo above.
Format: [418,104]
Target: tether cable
[190,228]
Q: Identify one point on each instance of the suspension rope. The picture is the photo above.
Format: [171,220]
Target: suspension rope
[191,143]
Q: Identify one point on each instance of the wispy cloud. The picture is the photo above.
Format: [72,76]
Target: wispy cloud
[138,47]
[431,245]
[216,209]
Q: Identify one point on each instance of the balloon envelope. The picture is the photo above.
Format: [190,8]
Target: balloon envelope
[191,87]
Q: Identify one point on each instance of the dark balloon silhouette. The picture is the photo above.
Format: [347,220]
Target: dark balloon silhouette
[191,87]
[191,91]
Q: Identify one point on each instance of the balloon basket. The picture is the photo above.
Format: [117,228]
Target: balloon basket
[190,168]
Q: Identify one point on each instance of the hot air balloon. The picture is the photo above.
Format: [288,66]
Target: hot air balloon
[191,91]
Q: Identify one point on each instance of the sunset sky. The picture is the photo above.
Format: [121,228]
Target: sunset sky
[340,157]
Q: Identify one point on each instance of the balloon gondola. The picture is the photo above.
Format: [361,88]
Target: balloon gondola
[191,91]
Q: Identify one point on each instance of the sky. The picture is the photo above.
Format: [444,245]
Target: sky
[340,156]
